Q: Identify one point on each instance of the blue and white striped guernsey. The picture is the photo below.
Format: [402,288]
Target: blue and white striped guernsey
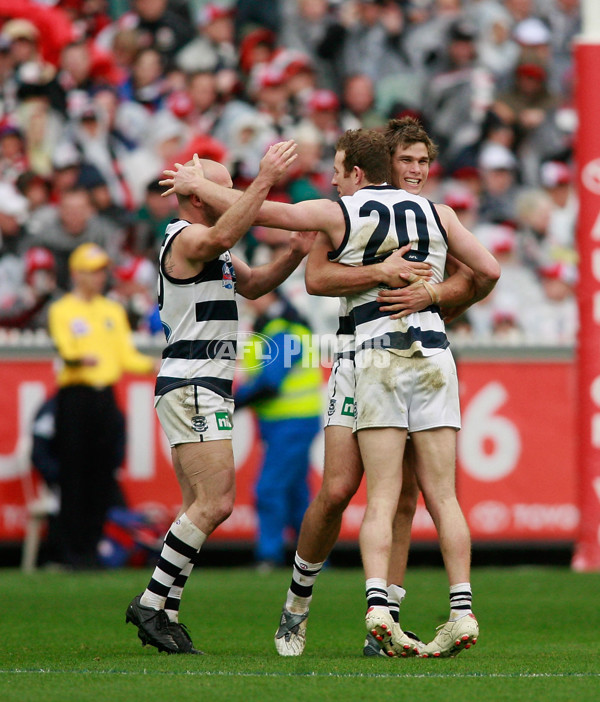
[200,320]
[380,220]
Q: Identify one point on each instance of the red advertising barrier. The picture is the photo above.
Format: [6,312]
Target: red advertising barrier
[516,474]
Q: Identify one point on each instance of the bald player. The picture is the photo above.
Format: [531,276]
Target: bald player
[198,280]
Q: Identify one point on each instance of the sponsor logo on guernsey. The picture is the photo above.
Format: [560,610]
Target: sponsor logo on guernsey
[228,278]
[199,424]
[331,408]
[348,408]
[223,422]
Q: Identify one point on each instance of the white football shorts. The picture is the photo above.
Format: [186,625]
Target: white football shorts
[414,393]
[192,413]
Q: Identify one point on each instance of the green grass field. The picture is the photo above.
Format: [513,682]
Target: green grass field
[64,638]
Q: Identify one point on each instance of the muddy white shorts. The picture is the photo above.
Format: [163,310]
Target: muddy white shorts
[193,413]
[414,393]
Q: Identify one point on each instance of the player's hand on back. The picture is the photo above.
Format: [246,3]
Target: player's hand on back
[397,271]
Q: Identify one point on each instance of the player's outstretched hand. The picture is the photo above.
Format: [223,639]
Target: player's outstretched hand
[183,178]
[277,160]
[301,242]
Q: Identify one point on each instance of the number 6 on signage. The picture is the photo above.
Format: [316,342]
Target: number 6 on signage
[482,426]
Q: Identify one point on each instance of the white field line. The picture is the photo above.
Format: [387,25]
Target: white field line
[201,673]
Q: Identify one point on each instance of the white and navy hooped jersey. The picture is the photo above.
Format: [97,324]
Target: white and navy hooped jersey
[200,319]
[380,220]
[345,333]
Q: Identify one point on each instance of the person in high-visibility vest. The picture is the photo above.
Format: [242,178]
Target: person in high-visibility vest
[284,388]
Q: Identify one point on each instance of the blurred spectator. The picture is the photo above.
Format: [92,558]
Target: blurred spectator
[463,202]
[557,316]
[204,109]
[213,48]
[257,47]
[13,156]
[299,76]
[74,222]
[146,83]
[458,94]
[529,106]
[36,189]
[31,300]
[496,48]
[250,14]
[563,17]
[14,242]
[134,287]
[534,207]
[156,25]
[309,177]
[557,180]
[358,100]
[75,74]
[323,114]
[533,37]
[152,219]
[498,169]
[269,91]
[365,35]
[305,27]
[509,308]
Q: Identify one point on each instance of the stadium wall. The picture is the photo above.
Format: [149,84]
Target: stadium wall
[517,478]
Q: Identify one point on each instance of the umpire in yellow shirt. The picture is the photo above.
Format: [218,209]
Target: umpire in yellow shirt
[93,339]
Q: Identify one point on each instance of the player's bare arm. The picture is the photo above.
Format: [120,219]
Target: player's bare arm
[199,243]
[327,278]
[320,215]
[254,282]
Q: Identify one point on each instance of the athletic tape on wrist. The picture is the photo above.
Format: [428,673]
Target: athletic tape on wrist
[433,293]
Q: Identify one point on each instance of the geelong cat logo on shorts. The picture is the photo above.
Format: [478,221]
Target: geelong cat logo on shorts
[199,423]
[331,408]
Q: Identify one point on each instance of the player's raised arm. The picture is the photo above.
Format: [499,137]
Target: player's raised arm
[201,243]
[311,215]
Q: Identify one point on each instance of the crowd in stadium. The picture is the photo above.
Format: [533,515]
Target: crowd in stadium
[97,97]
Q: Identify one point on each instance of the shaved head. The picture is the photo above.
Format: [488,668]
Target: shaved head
[215,172]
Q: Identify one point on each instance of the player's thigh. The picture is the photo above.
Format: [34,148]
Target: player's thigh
[382,450]
[435,451]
